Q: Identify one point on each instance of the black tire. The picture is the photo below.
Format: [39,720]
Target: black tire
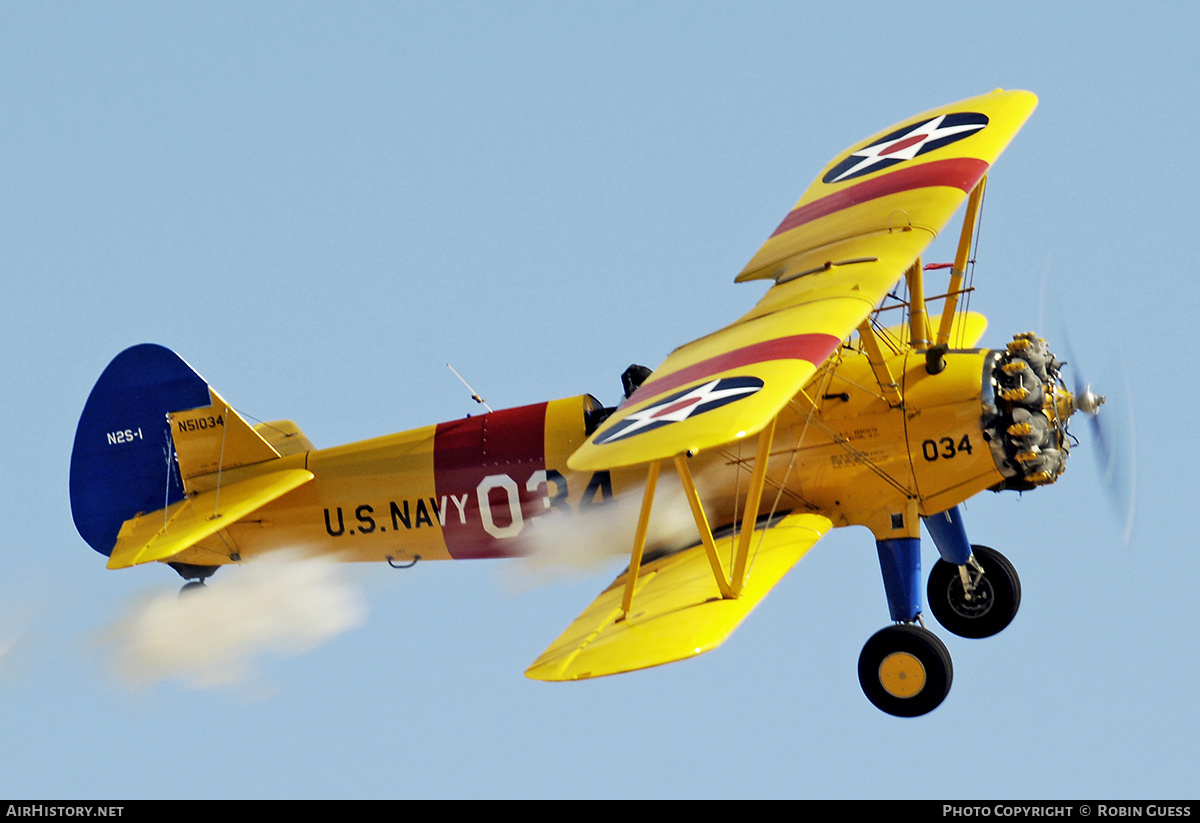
[997,596]
[192,586]
[905,670]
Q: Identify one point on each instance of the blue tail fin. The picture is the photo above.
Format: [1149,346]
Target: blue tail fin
[123,462]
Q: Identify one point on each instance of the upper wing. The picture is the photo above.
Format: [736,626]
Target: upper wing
[850,238]
[677,610]
[966,330]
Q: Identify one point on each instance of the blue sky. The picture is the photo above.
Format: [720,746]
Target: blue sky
[318,206]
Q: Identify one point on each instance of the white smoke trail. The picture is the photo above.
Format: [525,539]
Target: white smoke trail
[280,604]
[22,625]
[583,544]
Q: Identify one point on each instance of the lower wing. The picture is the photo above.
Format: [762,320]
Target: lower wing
[678,611]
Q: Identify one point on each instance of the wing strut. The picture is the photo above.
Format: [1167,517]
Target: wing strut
[960,262]
[730,588]
[753,499]
[639,538]
[706,535]
[883,373]
[918,317]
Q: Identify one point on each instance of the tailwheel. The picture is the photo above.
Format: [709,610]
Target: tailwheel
[905,670]
[192,586]
[989,606]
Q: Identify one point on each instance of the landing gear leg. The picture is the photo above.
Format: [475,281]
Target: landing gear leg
[904,669]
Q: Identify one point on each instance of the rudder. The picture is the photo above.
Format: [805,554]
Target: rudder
[150,427]
[123,459]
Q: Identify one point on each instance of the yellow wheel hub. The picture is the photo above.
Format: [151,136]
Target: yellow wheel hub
[902,675]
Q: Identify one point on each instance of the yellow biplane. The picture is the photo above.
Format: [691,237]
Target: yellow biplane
[811,411]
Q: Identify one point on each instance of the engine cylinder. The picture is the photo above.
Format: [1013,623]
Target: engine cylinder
[1026,406]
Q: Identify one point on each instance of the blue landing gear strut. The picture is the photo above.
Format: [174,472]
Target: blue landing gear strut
[904,669]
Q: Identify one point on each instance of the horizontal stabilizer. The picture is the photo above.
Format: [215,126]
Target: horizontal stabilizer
[152,536]
[677,609]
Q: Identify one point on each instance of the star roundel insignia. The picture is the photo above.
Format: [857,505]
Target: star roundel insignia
[907,143]
[682,405]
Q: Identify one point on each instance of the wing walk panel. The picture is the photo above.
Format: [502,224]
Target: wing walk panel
[678,610]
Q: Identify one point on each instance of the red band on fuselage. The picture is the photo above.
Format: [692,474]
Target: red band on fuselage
[960,173]
[486,473]
[811,347]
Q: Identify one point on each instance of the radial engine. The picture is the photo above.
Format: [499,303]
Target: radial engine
[1026,407]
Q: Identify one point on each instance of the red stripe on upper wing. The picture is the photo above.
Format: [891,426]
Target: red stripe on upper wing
[811,347]
[960,173]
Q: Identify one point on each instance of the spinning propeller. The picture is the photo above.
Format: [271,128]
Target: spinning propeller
[1115,454]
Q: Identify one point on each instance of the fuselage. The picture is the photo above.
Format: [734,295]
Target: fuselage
[476,487]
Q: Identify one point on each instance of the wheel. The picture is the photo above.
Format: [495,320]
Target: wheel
[905,670]
[192,586]
[993,604]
